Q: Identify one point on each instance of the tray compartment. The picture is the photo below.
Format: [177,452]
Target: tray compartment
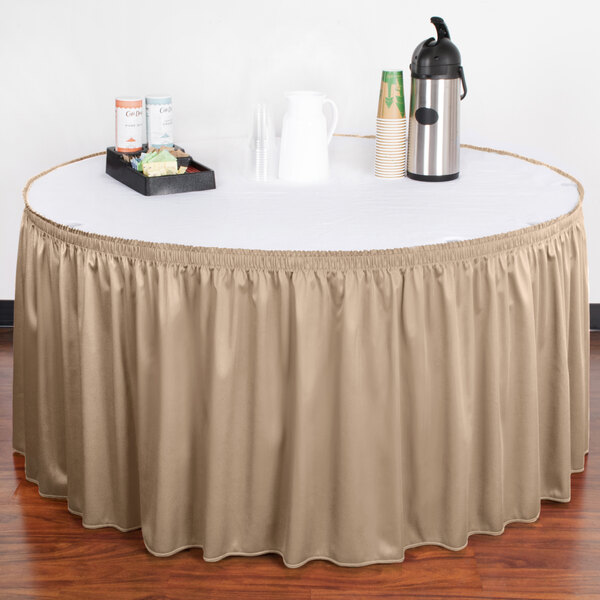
[121,170]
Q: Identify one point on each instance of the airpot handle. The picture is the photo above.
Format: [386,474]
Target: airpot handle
[464,83]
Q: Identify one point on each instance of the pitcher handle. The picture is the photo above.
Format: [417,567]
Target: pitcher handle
[334,118]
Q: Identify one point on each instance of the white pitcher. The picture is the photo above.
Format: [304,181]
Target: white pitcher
[304,155]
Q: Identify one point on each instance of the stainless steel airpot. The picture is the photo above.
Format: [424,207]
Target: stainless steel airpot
[434,121]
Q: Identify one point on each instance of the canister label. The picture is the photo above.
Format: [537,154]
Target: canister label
[159,120]
[129,124]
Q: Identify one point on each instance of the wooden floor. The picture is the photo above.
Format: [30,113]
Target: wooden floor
[46,553]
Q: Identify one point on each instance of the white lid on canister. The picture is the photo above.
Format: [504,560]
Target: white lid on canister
[158,99]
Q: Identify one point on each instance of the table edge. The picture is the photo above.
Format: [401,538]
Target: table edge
[309,259]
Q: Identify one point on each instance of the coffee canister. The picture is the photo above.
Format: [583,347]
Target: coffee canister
[159,120]
[129,124]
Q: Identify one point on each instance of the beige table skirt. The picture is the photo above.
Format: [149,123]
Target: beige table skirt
[337,405]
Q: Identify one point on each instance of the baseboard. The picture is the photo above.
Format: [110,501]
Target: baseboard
[7,314]
[595,316]
[7,310]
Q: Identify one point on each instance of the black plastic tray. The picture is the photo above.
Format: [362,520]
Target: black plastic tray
[165,184]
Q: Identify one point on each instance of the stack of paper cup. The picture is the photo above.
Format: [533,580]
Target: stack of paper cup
[390,145]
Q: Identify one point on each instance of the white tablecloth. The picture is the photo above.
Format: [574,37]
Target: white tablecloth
[353,211]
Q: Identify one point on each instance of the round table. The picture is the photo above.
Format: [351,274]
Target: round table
[338,371]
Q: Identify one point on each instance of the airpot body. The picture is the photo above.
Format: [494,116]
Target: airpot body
[437,87]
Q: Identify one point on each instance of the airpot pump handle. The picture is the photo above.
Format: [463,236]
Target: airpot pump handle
[464,83]
[440,27]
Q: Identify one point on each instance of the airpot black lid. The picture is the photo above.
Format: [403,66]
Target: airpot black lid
[436,59]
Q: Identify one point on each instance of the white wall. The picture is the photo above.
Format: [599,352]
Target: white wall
[532,70]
